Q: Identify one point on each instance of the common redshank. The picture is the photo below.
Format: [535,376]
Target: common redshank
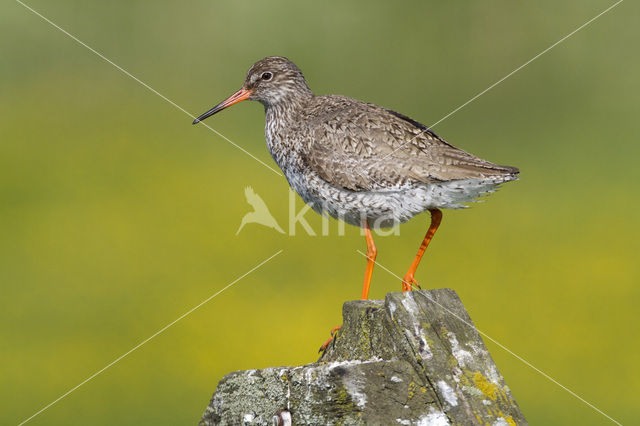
[366,165]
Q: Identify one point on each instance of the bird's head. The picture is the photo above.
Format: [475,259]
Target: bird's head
[270,81]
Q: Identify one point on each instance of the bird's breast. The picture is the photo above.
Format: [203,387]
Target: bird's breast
[284,145]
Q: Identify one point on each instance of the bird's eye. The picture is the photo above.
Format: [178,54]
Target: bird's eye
[266,76]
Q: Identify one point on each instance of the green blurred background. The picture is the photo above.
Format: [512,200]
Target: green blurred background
[117,215]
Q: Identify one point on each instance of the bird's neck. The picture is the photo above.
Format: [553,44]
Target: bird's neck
[284,111]
[288,104]
[281,121]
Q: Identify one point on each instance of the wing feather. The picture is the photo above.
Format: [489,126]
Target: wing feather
[363,147]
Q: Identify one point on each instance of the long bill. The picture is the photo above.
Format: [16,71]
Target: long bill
[240,95]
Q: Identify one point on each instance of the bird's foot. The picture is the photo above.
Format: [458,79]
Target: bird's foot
[409,282]
[326,344]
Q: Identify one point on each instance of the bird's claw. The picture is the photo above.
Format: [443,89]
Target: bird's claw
[326,344]
[409,282]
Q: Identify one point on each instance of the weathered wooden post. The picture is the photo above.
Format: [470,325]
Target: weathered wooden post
[414,358]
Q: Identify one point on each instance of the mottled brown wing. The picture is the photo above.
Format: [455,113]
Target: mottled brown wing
[363,147]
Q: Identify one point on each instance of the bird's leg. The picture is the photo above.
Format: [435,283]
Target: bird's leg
[409,280]
[330,339]
[372,252]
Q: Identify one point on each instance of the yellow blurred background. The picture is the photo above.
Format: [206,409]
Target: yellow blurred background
[117,215]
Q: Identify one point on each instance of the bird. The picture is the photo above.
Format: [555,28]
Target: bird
[364,164]
[260,213]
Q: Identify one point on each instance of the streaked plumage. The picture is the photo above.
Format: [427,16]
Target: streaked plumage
[370,166]
[357,160]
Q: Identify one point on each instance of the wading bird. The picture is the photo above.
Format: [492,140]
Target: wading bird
[364,164]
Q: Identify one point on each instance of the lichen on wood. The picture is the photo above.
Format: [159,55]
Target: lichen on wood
[414,358]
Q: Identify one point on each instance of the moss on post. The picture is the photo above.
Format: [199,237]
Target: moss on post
[414,358]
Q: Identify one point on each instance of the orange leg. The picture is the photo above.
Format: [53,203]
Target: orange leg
[372,252]
[330,339]
[409,280]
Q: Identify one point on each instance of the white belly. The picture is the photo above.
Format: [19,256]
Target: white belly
[383,209]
